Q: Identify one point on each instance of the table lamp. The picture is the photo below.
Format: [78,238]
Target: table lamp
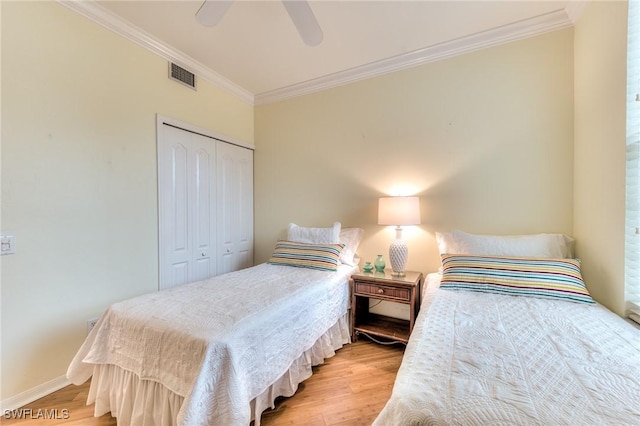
[398,211]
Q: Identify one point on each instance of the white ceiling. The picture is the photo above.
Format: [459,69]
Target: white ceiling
[256,51]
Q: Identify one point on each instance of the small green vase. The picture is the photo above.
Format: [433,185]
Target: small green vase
[379,263]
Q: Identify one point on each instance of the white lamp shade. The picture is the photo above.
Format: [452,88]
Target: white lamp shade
[399,211]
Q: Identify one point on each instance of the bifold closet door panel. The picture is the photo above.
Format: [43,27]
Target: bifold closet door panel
[187,206]
[235,207]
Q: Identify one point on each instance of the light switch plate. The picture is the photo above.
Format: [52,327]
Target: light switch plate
[7,244]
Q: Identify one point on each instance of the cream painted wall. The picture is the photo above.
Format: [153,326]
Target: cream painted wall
[599,179]
[79,178]
[485,139]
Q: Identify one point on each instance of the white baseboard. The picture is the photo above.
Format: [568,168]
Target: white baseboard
[30,395]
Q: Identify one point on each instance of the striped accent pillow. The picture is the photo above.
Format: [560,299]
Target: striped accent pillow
[324,257]
[523,276]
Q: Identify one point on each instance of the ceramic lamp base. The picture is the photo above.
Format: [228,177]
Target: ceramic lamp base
[398,255]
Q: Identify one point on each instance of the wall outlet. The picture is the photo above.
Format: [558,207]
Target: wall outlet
[7,244]
[90,324]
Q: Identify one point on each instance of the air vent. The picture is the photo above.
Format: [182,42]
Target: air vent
[181,75]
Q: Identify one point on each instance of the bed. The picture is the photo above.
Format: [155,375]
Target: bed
[219,351]
[514,353]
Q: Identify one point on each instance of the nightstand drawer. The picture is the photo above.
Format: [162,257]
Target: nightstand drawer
[365,289]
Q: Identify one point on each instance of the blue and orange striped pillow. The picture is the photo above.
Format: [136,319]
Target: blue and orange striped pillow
[324,257]
[523,276]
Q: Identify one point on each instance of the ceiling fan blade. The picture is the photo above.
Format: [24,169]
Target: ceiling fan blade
[211,12]
[305,21]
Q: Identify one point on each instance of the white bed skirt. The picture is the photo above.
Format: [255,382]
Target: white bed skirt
[139,402]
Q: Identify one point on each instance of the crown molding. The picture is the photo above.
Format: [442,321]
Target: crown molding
[574,9]
[112,22]
[552,21]
[548,22]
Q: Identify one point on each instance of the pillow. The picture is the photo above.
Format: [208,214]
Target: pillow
[523,276]
[569,244]
[446,243]
[324,257]
[350,237]
[300,234]
[552,246]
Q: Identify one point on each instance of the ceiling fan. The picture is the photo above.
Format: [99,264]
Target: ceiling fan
[212,11]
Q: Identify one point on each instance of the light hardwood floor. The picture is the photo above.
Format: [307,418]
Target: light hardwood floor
[348,389]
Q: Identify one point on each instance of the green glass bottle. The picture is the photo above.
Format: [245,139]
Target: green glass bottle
[379,263]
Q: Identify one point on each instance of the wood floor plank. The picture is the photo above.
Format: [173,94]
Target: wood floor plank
[349,389]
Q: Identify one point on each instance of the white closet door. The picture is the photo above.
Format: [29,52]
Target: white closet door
[186,199]
[235,207]
[204,227]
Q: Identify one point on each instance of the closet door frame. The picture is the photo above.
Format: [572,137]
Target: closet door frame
[162,121]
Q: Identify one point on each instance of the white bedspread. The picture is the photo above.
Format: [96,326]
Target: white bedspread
[479,359]
[221,342]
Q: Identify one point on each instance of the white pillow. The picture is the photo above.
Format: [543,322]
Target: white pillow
[447,244]
[350,237]
[552,246]
[569,244]
[300,234]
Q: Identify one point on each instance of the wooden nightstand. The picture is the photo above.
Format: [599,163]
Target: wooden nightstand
[384,286]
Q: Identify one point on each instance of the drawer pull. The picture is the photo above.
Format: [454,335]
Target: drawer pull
[380,291]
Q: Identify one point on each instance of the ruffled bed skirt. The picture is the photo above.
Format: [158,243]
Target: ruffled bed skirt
[147,403]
